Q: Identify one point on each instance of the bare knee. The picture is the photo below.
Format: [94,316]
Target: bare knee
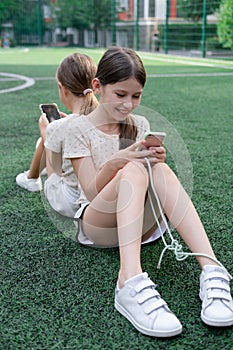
[161,171]
[135,172]
[161,167]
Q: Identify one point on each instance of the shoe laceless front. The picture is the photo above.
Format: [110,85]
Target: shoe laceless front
[217,304]
[142,305]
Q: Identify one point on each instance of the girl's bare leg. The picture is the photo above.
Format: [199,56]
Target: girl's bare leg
[118,210]
[116,214]
[38,161]
[181,212]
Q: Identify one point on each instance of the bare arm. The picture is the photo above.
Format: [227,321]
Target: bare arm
[53,162]
[53,159]
[93,181]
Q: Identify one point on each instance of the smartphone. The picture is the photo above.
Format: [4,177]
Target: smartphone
[154,139]
[51,110]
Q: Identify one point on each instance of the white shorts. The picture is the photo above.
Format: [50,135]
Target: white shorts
[81,237]
[61,197]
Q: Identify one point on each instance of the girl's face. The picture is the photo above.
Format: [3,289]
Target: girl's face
[120,99]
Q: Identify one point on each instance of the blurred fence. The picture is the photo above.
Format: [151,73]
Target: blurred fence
[192,26]
[150,25]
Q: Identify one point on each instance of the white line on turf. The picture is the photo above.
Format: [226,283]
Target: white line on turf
[28,82]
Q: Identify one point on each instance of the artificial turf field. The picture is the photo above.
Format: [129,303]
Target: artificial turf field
[57,294]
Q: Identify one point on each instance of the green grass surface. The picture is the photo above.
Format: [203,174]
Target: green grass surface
[56,294]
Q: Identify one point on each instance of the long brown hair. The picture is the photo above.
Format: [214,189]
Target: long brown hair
[76,73]
[119,64]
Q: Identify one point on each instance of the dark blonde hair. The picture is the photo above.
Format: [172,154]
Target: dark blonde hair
[119,64]
[76,73]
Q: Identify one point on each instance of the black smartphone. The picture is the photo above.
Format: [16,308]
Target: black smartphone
[51,110]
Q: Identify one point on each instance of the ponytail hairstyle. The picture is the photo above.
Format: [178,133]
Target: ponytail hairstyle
[119,64]
[76,73]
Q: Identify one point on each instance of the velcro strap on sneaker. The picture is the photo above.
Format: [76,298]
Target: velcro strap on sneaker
[216,275]
[155,305]
[215,294]
[147,283]
[147,294]
[217,284]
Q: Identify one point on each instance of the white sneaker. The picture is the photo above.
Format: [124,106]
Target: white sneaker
[217,304]
[142,305]
[32,185]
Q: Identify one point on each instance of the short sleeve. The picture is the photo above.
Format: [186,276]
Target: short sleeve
[77,143]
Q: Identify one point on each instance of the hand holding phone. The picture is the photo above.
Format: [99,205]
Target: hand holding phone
[51,111]
[152,139]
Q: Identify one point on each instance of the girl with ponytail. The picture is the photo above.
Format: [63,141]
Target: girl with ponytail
[74,78]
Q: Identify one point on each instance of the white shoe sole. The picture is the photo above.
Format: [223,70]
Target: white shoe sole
[214,323]
[150,332]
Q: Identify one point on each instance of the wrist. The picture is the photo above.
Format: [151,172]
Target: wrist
[111,166]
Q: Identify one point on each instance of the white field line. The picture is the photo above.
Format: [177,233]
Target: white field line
[189,75]
[187,62]
[168,75]
[28,82]
[31,81]
[17,79]
[205,62]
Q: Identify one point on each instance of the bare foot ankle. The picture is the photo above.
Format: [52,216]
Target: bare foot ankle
[124,277]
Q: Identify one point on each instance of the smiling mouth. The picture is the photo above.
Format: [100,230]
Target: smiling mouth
[123,111]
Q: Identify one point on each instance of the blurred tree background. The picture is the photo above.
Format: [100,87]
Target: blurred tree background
[225,23]
[36,22]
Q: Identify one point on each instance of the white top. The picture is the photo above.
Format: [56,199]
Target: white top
[84,140]
[55,142]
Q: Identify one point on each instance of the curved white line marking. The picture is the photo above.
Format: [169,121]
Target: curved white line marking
[28,82]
